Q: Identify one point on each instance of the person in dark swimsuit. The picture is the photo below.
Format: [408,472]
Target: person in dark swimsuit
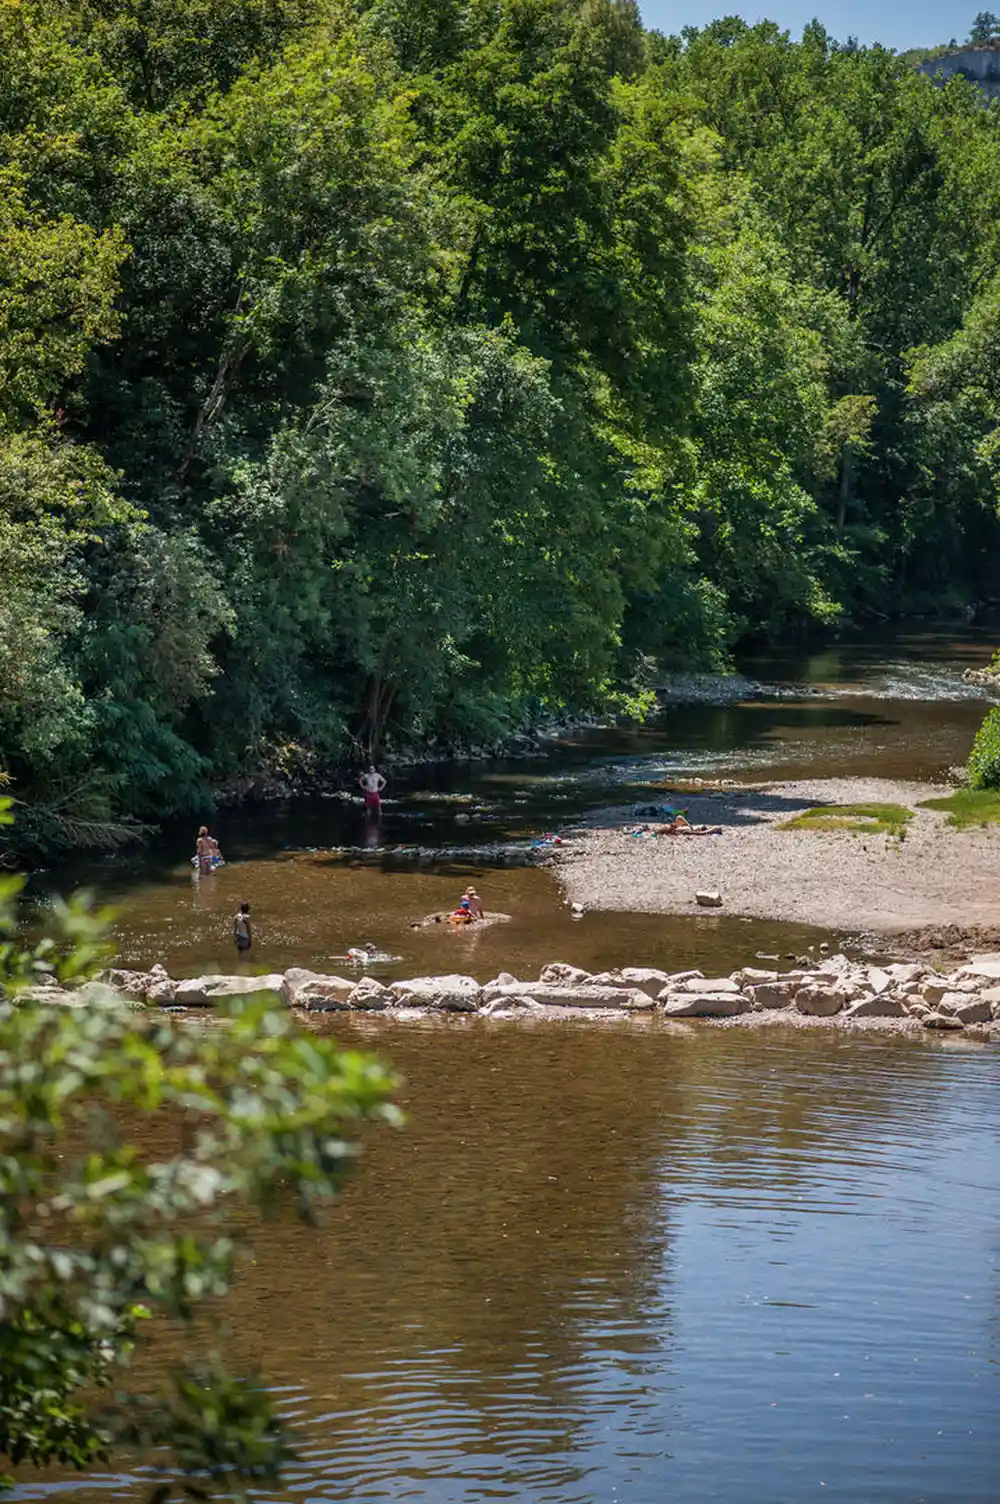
[242,932]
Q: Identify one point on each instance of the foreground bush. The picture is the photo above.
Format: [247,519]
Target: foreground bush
[98,1233]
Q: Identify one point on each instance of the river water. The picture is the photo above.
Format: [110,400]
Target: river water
[631,1263]
[892,707]
[620,1261]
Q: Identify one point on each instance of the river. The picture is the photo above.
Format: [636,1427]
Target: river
[610,1262]
[895,706]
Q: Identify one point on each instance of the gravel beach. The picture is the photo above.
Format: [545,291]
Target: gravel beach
[936,876]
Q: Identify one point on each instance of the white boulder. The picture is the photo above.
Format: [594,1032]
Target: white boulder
[453,993]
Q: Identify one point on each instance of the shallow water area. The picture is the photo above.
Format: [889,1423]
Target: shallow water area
[892,706]
[636,1261]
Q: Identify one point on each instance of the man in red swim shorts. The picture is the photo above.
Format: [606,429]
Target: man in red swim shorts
[373,783]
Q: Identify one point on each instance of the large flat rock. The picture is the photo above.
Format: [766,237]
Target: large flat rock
[202,992]
[453,993]
[585,996]
[704,1005]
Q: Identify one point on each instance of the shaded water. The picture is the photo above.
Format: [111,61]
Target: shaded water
[894,707]
[642,1263]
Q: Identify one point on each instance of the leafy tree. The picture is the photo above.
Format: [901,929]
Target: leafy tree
[984,28]
[102,1231]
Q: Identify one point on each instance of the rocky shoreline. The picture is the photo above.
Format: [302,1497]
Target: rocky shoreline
[835,990]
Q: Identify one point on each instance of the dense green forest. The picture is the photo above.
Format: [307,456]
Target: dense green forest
[382,375]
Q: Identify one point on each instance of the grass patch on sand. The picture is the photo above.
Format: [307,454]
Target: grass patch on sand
[864,819]
[968,807]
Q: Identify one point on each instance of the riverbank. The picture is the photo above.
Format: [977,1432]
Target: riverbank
[935,875]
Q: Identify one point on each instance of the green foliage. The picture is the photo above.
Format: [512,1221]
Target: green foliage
[106,1229]
[870,819]
[376,378]
[968,807]
[984,759]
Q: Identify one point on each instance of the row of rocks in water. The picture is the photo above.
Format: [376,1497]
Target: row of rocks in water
[833,988]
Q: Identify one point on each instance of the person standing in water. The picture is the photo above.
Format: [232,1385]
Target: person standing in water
[242,932]
[204,849]
[373,783]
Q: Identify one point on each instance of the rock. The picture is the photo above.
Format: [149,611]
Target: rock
[819,1002]
[47,997]
[298,981]
[324,995]
[98,994]
[708,899]
[645,979]
[453,994]
[882,1005]
[587,995]
[704,1005]
[983,966]
[753,976]
[505,979]
[561,974]
[837,964]
[683,976]
[368,996]
[160,994]
[507,1007]
[904,972]
[134,984]
[992,996]
[715,985]
[878,980]
[202,992]
[932,992]
[970,1010]
[767,995]
[942,1021]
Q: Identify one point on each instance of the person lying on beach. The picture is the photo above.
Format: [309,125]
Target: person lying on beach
[682,827]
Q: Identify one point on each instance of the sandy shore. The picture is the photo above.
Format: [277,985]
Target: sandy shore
[937,876]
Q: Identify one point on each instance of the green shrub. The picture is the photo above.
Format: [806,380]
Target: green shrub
[984,759]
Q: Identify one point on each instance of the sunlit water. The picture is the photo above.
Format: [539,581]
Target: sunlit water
[623,1263]
[897,707]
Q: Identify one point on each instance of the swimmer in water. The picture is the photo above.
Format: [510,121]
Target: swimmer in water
[362,954]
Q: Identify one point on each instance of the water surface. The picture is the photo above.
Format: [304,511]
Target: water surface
[893,706]
[628,1262]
